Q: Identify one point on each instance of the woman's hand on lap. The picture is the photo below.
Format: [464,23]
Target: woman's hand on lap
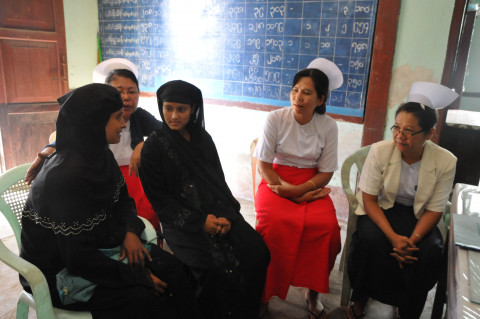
[286,190]
[312,195]
[159,286]
[214,225]
[226,227]
[403,250]
[133,249]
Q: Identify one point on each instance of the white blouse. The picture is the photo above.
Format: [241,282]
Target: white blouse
[123,150]
[372,177]
[284,141]
[408,183]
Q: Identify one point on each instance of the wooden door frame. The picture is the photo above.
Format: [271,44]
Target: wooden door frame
[56,35]
[449,68]
[380,71]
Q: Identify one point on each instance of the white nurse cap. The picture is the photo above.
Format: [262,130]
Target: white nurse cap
[431,94]
[331,70]
[103,69]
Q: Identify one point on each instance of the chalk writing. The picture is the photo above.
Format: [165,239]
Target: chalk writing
[234,12]
[254,42]
[242,49]
[259,12]
[255,27]
[278,9]
[359,47]
[365,9]
[274,44]
[354,83]
[361,27]
[234,27]
[255,60]
[357,64]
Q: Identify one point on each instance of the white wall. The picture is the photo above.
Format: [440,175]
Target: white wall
[81,28]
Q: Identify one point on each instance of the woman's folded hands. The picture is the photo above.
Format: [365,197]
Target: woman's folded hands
[403,250]
[298,193]
[216,226]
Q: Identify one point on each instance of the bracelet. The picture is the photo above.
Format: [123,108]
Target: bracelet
[415,234]
[314,186]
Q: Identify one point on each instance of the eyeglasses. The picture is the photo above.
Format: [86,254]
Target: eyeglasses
[407,132]
[128,92]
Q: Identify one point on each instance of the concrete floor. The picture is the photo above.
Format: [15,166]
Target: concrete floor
[293,307]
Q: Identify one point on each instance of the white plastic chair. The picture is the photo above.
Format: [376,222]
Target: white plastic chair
[356,159]
[13,195]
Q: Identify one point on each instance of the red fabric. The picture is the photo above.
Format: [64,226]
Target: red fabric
[135,190]
[304,239]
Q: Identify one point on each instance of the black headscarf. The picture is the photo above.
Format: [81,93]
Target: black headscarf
[84,112]
[76,187]
[179,91]
[199,155]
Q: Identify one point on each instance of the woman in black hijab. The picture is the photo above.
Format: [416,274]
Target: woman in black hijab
[183,179]
[79,204]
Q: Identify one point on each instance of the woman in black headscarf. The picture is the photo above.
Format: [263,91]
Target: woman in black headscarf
[183,179]
[79,204]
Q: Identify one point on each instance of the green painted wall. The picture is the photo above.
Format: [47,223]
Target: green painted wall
[81,27]
[472,76]
[420,49]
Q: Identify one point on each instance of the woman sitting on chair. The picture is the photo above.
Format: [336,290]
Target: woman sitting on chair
[404,187]
[79,204]
[297,155]
[122,74]
[183,179]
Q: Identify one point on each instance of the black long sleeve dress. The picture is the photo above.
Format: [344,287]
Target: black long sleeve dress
[184,182]
[79,203]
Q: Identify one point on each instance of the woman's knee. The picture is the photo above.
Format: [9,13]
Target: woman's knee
[368,232]
[252,245]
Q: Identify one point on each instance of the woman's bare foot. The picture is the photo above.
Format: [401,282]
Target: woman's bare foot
[356,310]
[315,308]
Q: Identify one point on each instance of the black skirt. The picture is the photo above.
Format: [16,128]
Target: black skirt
[374,273]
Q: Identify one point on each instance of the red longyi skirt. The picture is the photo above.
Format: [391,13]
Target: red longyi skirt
[135,190]
[303,239]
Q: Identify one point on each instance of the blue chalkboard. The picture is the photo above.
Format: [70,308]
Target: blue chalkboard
[242,50]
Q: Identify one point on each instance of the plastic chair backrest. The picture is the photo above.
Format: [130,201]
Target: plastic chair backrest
[358,159]
[13,195]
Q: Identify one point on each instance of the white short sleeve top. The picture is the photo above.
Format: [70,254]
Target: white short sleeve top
[284,141]
[123,150]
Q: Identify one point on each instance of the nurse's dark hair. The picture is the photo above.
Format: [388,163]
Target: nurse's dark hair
[123,73]
[320,81]
[426,116]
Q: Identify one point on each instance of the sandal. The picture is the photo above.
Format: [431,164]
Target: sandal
[321,315]
[318,316]
[351,313]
